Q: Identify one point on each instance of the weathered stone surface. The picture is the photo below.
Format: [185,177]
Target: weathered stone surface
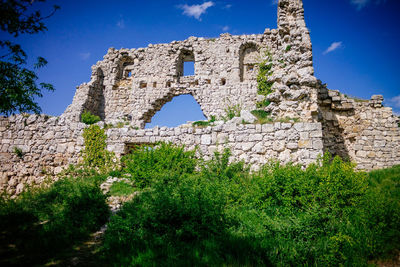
[247,116]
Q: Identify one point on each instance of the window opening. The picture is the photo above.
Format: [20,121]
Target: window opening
[188,68]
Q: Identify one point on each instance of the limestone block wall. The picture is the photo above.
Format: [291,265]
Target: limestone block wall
[255,144]
[48,144]
[361,130]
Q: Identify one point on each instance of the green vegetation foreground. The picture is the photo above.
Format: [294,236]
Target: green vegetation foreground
[195,212]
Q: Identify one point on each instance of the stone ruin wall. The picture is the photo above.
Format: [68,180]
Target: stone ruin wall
[49,144]
[363,131]
[131,85]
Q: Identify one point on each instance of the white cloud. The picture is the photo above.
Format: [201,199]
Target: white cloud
[274,2]
[362,3]
[333,47]
[196,10]
[121,23]
[225,28]
[395,101]
[228,6]
[85,56]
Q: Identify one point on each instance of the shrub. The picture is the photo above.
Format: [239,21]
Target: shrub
[162,163]
[177,225]
[95,154]
[308,213]
[44,221]
[327,214]
[264,85]
[88,118]
[382,218]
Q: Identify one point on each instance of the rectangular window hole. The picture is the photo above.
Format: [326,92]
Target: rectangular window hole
[223,81]
[154,84]
[208,81]
[168,84]
[188,68]
[131,147]
[143,85]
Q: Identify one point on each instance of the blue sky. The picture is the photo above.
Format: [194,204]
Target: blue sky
[355,42]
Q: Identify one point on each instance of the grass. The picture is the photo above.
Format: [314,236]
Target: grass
[202,124]
[232,111]
[122,189]
[262,104]
[262,116]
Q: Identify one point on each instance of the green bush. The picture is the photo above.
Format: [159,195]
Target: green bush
[95,155]
[163,163]
[44,221]
[179,224]
[88,118]
[283,215]
[264,85]
[382,220]
[308,212]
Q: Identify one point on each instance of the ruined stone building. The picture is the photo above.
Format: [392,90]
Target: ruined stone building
[131,85]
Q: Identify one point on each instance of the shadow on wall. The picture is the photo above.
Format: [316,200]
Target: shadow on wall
[176,111]
[95,102]
[333,136]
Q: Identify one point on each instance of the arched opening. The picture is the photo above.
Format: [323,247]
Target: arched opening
[249,57]
[179,110]
[125,68]
[185,64]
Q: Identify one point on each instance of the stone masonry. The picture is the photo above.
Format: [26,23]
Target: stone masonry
[130,85]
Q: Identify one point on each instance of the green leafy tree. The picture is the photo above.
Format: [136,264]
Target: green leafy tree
[18,84]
